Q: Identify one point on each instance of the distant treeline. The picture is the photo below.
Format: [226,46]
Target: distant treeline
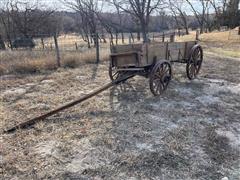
[29,19]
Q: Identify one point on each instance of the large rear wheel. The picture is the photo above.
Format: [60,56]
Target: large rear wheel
[160,77]
[194,63]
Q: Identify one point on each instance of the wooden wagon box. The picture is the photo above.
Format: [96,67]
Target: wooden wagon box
[142,55]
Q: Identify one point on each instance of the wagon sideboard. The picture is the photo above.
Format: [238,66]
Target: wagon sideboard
[141,55]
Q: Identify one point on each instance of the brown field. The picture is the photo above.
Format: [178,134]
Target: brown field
[191,132]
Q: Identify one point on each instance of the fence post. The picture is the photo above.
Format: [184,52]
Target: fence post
[42,42]
[97,48]
[129,39]
[172,37]
[76,45]
[57,50]
[163,37]
[238,30]
[197,35]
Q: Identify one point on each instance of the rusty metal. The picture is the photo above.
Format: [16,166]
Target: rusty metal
[66,106]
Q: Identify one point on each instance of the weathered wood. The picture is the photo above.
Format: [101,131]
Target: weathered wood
[42,42]
[141,55]
[61,108]
[197,35]
[76,45]
[33,121]
[97,48]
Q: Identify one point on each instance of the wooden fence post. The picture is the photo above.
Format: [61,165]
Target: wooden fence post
[163,37]
[132,35]
[172,37]
[97,48]
[42,42]
[57,51]
[197,35]
[76,45]
[129,39]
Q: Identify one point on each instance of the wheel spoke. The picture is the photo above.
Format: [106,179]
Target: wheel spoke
[191,69]
[160,88]
[116,73]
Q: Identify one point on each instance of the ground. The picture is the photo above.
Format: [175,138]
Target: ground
[190,132]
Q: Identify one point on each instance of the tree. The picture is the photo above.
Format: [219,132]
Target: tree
[6,21]
[2,45]
[232,13]
[27,18]
[141,10]
[87,12]
[179,15]
[202,15]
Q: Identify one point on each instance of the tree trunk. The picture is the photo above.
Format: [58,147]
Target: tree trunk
[2,45]
[144,31]
[88,41]
[122,37]
[116,36]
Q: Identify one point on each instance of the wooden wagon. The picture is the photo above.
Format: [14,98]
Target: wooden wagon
[154,61]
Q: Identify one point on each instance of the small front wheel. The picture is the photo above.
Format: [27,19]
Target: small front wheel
[160,77]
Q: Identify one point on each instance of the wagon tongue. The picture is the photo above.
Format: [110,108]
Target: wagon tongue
[33,121]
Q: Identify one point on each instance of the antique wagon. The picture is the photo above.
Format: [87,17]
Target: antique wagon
[154,61]
[151,60]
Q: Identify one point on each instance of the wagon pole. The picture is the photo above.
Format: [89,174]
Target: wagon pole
[33,121]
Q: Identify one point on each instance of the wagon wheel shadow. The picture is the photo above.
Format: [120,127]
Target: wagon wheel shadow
[123,94]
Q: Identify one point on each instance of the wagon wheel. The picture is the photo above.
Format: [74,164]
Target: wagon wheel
[113,72]
[194,62]
[160,77]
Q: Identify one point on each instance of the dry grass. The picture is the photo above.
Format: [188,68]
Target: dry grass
[226,52]
[32,61]
[225,44]
[215,36]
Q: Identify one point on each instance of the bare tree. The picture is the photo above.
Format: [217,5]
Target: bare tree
[232,13]
[6,21]
[27,18]
[179,15]
[201,15]
[141,10]
[87,11]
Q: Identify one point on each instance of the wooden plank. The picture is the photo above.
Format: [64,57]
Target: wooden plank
[130,69]
[124,53]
